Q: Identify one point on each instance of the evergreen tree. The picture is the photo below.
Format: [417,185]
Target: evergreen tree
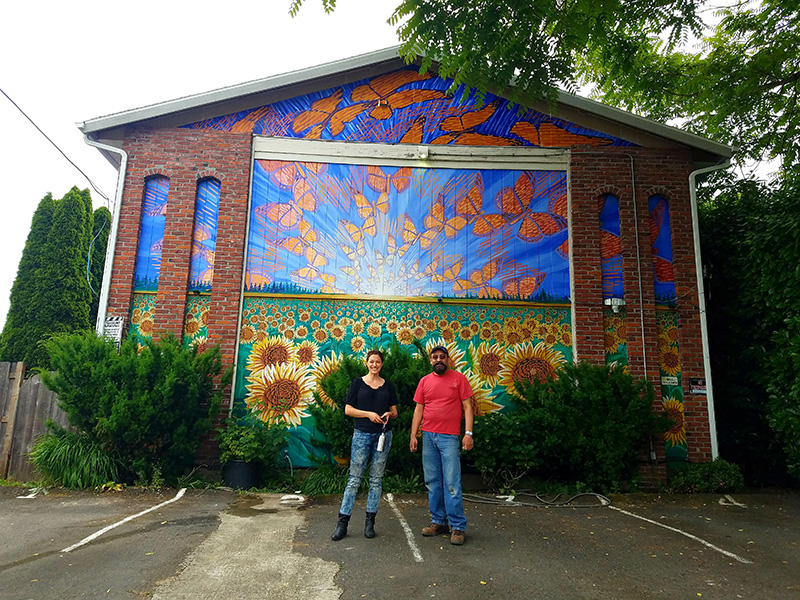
[51,293]
[101,226]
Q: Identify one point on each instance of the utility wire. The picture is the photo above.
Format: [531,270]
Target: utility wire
[96,189]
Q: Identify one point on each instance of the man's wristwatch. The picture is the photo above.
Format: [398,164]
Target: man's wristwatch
[469,433]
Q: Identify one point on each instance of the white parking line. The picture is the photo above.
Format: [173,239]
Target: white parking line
[97,534]
[689,535]
[409,534]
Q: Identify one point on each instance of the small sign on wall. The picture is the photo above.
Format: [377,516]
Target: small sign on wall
[697,386]
[669,380]
[113,329]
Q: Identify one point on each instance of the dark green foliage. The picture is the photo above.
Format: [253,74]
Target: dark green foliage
[404,371]
[715,477]
[73,460]
[250,440]
[151,408]
[101,227]
[751,252]
[51,293]
[587,426]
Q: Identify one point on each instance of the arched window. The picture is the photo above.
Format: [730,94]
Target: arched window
[151,233]
[204,235]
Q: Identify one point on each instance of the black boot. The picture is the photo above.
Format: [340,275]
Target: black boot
[369,525]
[341,527]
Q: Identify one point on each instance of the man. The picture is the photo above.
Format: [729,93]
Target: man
[441,396]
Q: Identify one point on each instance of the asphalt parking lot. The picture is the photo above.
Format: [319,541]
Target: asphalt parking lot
[218,544]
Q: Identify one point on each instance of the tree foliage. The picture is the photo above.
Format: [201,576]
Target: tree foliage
[738,85]
[751,252]
[51,294]
[730,73]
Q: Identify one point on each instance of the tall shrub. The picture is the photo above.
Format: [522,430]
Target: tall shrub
[587,426]
[151,408]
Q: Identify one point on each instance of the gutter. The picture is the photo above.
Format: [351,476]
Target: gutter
[701,300]
[102,308]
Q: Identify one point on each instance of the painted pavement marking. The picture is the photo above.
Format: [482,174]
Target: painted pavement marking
[689,535]
[409,534]
[97,534]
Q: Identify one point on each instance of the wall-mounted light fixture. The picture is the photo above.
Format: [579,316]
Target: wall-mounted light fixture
[614,303]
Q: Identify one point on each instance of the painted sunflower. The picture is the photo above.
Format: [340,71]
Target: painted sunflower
[270,351]
[669,360]
[487,361]
[676,436]
[324,366]
[306,352]
[526,362]
[482,402]
[281,392]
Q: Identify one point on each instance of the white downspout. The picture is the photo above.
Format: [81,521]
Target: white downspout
[701,301]
[112,238]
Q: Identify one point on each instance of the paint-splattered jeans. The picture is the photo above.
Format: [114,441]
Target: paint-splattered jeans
[363,452]
[442,466]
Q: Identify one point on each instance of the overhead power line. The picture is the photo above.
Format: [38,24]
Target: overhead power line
[39,129]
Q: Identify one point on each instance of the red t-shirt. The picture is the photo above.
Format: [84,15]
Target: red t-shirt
[441,395]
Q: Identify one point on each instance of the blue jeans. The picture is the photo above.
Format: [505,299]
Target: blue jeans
[442,466]
[364,449]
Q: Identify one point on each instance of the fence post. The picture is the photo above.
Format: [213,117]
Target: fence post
[8,439]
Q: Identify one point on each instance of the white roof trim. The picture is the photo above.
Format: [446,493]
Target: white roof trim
[268,84]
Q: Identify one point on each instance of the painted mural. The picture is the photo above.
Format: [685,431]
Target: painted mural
[287,345]
[408,107]
[402,232]
[661,250]
[151,237]
[669,364]
[611,248]
[204,235]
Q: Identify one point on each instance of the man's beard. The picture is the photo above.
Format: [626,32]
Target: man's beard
[440,368]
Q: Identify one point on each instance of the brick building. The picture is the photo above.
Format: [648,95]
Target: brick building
[299,218]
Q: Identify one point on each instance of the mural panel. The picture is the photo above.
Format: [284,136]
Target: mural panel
[204,235]
[408,107]
[661,250]
[151,233]
[287,345]
[403,232]
[669,364]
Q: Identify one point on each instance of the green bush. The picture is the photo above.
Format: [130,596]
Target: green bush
[150,407]
[586,427]
[718,476]
[404,371]
[251,440]
[73,460]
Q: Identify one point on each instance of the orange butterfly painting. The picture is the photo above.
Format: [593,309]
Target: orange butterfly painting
[471,206]
[550,135]
[460,130]
[382,94]
[523,287]
[324,113]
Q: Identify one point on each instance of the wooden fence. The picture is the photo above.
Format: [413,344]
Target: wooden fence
[25,407]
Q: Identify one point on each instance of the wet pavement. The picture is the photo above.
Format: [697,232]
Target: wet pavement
[217,544]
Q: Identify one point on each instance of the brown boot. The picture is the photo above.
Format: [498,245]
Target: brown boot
[435,529]
[457,538]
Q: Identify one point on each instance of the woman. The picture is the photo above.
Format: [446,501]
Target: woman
[372,401]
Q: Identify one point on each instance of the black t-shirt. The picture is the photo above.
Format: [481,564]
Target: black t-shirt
[363,397]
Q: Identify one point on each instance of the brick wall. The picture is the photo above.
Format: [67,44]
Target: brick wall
[633,175]
[186,156]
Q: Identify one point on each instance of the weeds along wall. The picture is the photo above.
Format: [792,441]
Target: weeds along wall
[291,253]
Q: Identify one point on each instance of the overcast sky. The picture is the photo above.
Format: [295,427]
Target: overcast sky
[66,62]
